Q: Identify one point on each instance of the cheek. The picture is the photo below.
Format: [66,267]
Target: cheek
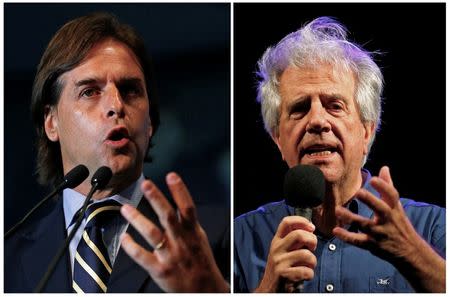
[291,135]
[85,123]
[142,124]
[81,127]
[357,142]
[294,132]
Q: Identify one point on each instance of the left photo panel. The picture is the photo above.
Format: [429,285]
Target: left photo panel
[117,148]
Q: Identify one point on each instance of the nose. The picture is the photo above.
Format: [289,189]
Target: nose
[114,103]
[317,121]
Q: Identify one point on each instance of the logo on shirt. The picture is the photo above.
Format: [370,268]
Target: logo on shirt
[383,282]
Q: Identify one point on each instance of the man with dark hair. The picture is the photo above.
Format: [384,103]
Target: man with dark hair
[68,48]
[320,98]
[93,103]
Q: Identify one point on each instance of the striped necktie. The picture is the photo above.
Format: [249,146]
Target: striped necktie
[92,266]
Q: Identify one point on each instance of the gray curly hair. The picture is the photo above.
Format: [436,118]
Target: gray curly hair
[322,41]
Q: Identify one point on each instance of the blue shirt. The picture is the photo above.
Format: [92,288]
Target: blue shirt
[341,267]
[73,201]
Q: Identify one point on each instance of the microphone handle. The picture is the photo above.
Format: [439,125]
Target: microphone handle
[63,247]
[304,212]
[307,214]
[36,207]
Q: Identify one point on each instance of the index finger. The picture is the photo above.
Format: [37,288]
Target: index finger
[387,191]
[291,223]
[379,206]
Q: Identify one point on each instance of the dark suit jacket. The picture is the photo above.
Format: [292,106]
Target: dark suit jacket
[29,251]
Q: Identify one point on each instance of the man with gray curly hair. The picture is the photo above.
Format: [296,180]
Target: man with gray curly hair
[320,98]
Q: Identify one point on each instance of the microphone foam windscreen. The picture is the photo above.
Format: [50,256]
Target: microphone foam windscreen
[304,186]
[101,177]
[76,176]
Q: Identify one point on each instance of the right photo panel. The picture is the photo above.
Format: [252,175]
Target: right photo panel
[339,147]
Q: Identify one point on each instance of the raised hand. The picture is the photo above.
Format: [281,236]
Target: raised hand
[390,235]
[182,260]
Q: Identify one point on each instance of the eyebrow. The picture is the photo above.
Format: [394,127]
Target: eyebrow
[121,81]
[301,102]
[130,81]
[334,96]
[87,81]
[304,101]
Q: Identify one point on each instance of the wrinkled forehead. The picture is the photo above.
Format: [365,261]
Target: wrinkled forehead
[318,74]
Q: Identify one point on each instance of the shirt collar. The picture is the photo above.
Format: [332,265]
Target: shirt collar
[362,208]
[355,205]
[73,201]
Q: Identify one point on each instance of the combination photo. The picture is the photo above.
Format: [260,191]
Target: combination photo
[224,147]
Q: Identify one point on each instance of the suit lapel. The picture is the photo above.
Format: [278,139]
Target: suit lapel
[128,276]
[42,244]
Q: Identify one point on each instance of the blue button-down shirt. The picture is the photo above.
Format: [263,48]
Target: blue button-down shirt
[341,267]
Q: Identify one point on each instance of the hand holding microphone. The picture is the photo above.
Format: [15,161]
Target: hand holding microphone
[291,259]
[304,189]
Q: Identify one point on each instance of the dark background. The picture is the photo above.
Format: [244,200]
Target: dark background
[190,46]
[412,137]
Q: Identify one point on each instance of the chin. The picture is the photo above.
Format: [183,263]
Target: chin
[124,166]
[331,174]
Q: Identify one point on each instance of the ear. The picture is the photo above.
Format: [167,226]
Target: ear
[369,131]
[150,130]
[51,123]
[276,138]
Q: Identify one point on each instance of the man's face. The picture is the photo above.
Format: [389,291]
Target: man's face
[319,122]
[102,117]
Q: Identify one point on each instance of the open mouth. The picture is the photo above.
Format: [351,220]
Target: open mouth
[118,134]
[319,151]
[118,138]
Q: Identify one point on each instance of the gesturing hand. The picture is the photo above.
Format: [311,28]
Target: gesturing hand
[182,260]
[290,258]
[390,235]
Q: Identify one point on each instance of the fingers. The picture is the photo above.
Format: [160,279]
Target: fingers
[378,206]
[149,231]
[386,189]
[345,216]
[166,214]
[300,239]
[296,265]
[298,273]
[358,239]
[385,175]
[301,257]
[140,255]
[182,198]
[291,223]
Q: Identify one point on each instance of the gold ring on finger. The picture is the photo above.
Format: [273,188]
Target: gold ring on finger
[160,244]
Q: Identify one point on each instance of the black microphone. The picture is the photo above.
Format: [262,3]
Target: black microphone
[304,189]
[99,181]
[71,180]
[101,178]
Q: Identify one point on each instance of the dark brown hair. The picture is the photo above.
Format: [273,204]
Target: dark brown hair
[67,49]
